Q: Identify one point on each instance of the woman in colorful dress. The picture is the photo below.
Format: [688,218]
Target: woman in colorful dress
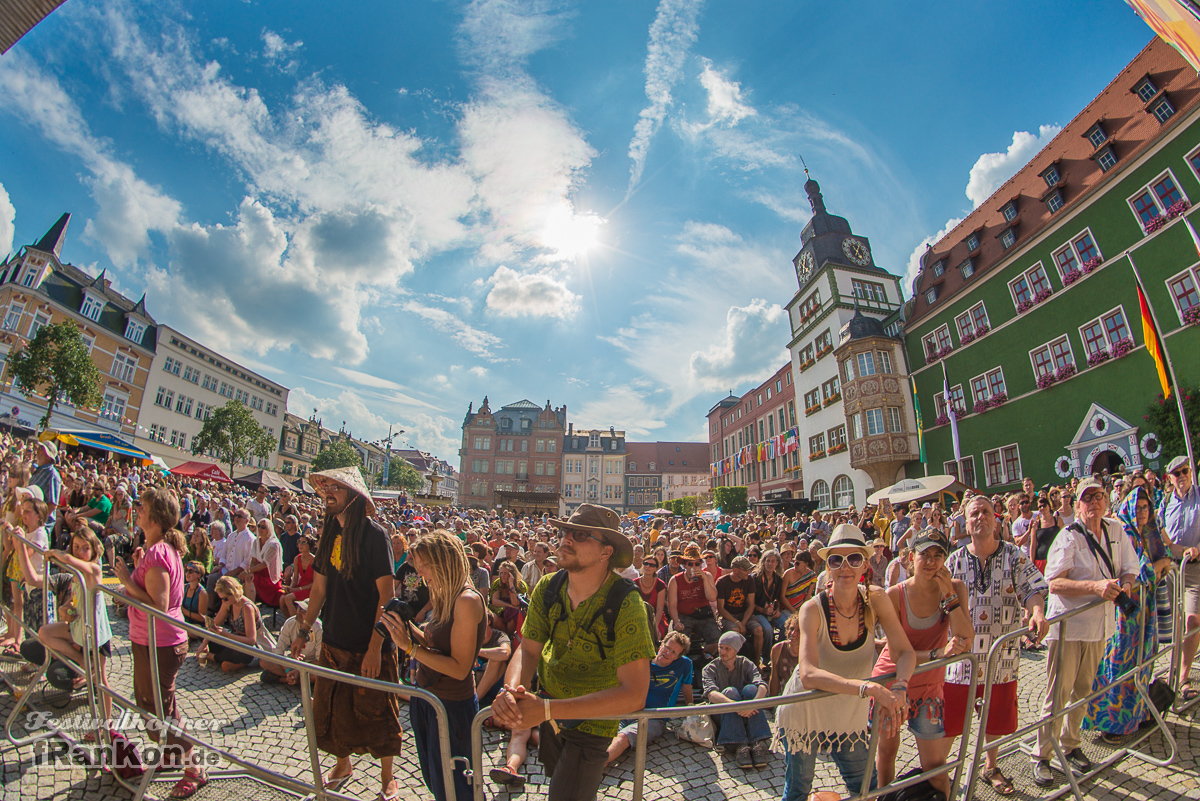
[799,582]
[1122,709]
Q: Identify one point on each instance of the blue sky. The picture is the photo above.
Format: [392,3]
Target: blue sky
[395,208]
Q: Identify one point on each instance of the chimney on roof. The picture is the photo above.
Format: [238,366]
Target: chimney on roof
[570,429]
[612,431]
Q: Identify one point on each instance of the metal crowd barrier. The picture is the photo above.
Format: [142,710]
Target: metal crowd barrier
[164,726]
[644,715]
[1134,674]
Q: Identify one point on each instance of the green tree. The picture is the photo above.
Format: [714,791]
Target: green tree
[403,475]
[339,453]
[731,500]
[1162,418]
[57,364]
[234,435]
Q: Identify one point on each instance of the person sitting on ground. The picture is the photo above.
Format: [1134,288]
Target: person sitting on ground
[691,599]
[670,673]
[275,672]
[731,678]
[244,625]
[200,550]
[494,656]
[785,655]
[799,582]
[195,597]
[263,579]
[735,603]
[505,596]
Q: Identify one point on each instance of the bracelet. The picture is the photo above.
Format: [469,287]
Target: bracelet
[546,708]
[933,655]
[862,690]
[900,687]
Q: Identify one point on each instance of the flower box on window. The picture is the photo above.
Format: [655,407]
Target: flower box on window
[836,449]
[1071,276]
[811,410]
[1177,208]
[1192,316]
[1046,381]
[967,338]
[807,363]
[1154,223]
[1091,265]
[1065,372]
[1121,347]
[1041,296]
[834,398]
[816,455]
[1024,306]
[941,420]
[825,351]
[946,351]
[1099,357]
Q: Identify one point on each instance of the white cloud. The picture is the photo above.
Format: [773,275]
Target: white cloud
[481,343]
[530,295]
[743,352]
[8,216]
[914,259]
[627,408]
[275,47]
[991,170]
[724,96]
[674,30]
[500,35]
[346,407]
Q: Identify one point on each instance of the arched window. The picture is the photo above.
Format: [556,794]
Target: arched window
[820,494]
[843,492]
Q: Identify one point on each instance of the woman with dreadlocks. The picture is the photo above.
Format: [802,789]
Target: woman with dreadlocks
[352,580]
[444,651]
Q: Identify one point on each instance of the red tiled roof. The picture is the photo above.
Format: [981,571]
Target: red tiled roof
[1130,128]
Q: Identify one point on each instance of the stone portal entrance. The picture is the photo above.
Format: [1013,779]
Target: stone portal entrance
[1103,442]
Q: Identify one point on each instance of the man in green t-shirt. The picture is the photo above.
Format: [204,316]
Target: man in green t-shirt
[582,672]
[97,508]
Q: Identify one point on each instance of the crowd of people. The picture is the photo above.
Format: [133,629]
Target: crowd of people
[554,623]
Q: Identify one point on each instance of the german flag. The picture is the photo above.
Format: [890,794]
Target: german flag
[1154,344]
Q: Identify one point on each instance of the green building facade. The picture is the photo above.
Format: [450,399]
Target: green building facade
[1115,186]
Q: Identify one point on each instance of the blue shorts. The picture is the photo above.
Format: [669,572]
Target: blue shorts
[926,718]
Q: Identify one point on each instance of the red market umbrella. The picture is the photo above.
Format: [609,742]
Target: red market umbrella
[204,470]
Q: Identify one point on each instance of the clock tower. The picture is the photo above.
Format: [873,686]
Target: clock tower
[840,458]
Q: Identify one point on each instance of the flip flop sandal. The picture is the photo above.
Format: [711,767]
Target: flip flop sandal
[392,797]
[1188,692]
[334,783]
[504,776]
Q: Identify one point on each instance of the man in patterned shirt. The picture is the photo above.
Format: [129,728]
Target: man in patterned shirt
[587,666]
[1001,583]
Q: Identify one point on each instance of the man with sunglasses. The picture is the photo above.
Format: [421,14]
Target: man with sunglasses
[1181,521]
[691,601]
[586,665]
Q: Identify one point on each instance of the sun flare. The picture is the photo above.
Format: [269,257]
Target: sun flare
[570,235]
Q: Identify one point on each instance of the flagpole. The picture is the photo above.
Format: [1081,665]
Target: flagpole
[1187,435]
[953,422]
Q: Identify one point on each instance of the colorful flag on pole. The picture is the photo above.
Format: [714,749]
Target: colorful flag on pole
[1175,22]
[1154,344]
[950,411]
[920,426]
[1192,231]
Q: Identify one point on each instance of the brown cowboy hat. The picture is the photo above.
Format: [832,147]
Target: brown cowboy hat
[605,523]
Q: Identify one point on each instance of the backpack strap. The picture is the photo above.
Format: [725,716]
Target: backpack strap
[552,596]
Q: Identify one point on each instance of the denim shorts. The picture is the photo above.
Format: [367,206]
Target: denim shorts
[926,718]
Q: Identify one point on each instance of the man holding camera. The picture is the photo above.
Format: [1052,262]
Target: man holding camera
[1091,558]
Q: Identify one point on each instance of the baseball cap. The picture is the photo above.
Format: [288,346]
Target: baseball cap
[1088,484]
[931,538]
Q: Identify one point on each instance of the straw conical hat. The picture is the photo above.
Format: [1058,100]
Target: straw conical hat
[348,477]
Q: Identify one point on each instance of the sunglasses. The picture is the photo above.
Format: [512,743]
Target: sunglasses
[1091,497]
[1182,471]
[692,563]
[583,536]
[835,560]
[649,564]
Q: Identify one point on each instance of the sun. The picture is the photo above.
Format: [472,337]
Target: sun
[570,235]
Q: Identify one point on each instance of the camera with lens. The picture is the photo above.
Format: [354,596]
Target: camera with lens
[402,608]
[523,602]
[1127,605]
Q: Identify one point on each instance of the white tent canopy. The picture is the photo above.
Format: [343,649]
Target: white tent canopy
[917,489]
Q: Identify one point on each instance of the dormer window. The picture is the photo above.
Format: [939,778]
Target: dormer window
[939,269]
[134,330]
[1051,176]
[30,277]
[1009,210]
[967,268]
[1163,110]
[1055,201]
[931,295]
[1106,159]
[972,243]
[92,306]
[1008,238]
[1145,89]
[1096,135]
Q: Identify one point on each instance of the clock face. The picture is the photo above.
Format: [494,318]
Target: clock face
[856,251]
[805,267]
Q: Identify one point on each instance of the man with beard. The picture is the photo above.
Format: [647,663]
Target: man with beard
[352,579]
[588,638]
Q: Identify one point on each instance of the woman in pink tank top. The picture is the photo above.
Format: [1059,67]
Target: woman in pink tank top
[932,608]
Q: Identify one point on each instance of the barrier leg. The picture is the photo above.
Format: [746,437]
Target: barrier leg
[639,760]
[311,735]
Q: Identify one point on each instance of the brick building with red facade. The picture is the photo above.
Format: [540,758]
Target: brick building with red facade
[511,457]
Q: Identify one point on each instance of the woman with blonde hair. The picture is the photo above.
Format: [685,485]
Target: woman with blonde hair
[444,652]
[18,476]
[238,619]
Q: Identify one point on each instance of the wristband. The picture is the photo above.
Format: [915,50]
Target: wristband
[933,655]
[862,690]
[546,709]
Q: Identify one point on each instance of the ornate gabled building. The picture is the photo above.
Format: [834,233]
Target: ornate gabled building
[37,288]
[300,441]
[510,457]
[594,467]
[839,282]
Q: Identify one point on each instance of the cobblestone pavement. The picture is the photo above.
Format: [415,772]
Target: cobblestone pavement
[265,724]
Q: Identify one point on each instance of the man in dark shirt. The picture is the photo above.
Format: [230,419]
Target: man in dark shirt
[735,602]
[352,579]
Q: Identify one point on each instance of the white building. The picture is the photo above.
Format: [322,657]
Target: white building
[187,382]
[837,276]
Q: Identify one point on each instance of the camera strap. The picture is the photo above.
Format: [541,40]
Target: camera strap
[1095,548]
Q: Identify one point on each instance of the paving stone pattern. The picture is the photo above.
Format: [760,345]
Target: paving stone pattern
[265,724]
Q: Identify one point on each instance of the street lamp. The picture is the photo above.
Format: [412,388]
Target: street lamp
[387,462]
